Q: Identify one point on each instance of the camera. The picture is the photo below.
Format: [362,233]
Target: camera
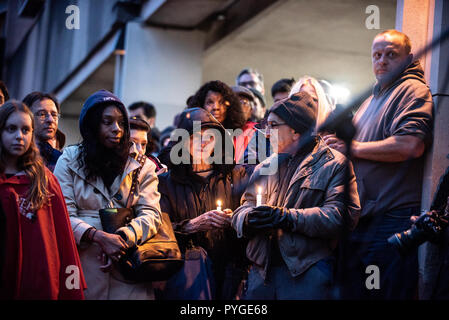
[428,227]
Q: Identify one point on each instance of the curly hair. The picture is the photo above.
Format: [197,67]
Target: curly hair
[31,161]
[97,160]
[234,114]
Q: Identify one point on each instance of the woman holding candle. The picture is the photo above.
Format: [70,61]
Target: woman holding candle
[194,194]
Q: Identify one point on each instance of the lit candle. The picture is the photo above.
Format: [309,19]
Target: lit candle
[259,197]
[218,205]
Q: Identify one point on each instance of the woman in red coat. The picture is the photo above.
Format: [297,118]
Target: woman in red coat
[39,256]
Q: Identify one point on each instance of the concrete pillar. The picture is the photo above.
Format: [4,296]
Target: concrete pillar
[414,18]
[422,21]
[160,66]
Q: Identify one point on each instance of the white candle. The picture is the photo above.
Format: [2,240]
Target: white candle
[218,205]
[259,197]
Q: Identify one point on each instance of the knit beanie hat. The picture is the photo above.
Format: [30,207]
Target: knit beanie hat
[299,111]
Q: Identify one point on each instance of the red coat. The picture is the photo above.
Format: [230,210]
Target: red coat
[41,259]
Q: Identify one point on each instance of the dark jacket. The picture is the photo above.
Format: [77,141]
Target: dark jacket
[49,154]
[318,208]
[185,195]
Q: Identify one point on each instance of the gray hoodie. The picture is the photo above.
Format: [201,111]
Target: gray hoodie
[405,107]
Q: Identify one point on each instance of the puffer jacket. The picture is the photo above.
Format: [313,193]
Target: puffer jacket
[318,210]
[85,197]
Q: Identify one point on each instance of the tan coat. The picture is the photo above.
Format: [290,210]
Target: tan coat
[85,197]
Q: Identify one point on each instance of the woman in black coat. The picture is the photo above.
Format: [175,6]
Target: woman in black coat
[189,194]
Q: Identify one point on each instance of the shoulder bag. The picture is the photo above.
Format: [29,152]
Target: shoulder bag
[158,258]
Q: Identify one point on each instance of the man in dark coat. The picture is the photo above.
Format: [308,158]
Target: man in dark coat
[49,139]
[294,216]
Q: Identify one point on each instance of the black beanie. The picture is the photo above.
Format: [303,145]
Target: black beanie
[299,111]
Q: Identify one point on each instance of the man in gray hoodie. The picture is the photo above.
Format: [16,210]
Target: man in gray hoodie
[394,129]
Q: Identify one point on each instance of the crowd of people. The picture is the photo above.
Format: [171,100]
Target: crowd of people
[282,213]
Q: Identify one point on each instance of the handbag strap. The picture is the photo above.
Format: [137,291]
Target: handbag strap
[141,158]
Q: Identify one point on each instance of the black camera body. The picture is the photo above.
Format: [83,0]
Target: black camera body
[429,226]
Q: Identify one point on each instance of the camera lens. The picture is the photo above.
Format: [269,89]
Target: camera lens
[407,240]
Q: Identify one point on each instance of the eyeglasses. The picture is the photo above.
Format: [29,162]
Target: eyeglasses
[42,115]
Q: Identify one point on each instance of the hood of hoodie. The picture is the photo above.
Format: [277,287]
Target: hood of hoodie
[100,98]
[412,71]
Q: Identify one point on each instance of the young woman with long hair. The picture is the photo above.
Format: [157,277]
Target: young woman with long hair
[40,259]
[97,174]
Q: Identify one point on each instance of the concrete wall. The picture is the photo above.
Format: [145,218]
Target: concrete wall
[162,67]
[423,21]
[51,52]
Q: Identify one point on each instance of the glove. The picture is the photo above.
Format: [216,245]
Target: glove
[432,223]
[269,217]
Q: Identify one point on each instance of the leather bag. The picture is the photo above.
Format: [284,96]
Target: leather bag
[158,258]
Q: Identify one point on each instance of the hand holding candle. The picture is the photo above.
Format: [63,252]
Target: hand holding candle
[259,197]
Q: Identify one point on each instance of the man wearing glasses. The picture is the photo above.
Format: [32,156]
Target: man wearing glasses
[49,139]
[253,80]
[294,217]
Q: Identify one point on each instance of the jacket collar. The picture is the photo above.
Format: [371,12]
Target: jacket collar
[18,178]
[315,160]
[131,165]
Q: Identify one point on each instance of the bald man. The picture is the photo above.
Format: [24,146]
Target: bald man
[394,129]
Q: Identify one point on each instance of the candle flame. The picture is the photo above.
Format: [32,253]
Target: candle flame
[219,203]
[259,190]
